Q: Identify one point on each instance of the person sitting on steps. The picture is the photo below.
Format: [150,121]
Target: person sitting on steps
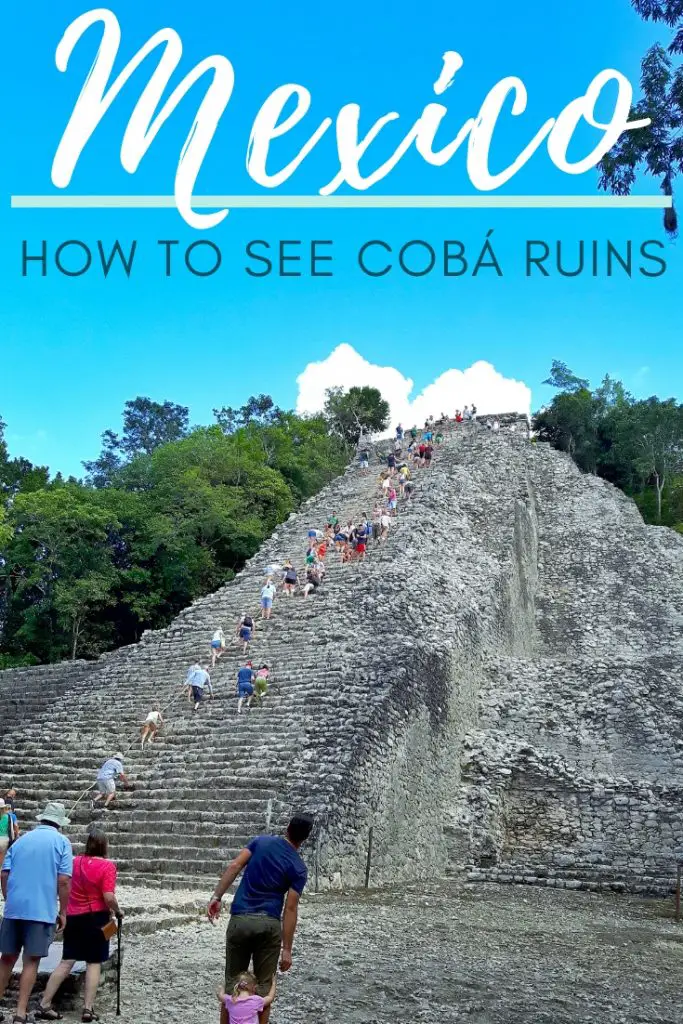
[313,581]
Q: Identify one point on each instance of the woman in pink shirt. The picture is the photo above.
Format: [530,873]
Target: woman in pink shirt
[92,904]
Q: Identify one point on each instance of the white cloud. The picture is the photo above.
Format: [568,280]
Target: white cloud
[480,384]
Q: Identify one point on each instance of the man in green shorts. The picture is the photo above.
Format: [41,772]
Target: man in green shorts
[274,877]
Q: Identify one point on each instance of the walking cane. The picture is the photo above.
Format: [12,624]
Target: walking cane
[118,970]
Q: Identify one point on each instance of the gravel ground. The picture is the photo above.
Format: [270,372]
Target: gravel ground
[487,954]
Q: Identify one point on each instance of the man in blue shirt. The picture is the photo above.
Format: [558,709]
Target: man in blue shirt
[245,686]
[36,872]
[274,876]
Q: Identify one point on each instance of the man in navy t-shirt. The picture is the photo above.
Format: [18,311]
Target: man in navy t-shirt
[274,877]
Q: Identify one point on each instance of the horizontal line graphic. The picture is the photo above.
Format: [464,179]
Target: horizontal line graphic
[273,202]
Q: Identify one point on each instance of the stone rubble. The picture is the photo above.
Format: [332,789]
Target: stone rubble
[482,953]
[497,689]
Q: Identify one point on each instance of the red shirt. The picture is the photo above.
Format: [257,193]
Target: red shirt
[92,876]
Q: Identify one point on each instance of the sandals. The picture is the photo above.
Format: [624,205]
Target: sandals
[47,1013]
[88,1015]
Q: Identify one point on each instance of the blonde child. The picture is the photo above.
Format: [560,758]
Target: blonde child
[244,1005]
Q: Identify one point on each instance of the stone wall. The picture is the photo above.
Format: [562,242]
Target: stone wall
[496,690]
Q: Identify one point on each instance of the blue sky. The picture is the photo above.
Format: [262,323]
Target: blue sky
[74,350]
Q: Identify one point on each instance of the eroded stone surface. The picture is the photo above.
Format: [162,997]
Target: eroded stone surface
[487,954]
[498,689]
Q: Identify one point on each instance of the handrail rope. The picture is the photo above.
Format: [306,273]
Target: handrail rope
[177,695]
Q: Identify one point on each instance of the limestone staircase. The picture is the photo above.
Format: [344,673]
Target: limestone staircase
[213,779]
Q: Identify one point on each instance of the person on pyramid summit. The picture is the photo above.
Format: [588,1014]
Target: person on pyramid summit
[111,770]
[264,912]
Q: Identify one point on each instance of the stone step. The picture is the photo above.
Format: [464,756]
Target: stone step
[212,780]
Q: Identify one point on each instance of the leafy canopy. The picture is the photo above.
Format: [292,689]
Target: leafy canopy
[656,150]
[637,445]
[166,515]
[355,412]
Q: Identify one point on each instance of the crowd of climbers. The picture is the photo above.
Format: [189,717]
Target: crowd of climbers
[46,888]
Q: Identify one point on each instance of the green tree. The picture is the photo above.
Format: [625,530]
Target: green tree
[355,412]
[571,423]
[90,567]
[562,378]
[56,563]
[146,426]
[6,530]
[258,411]
[75,601]
[655,436]
[637,445]
[657,149]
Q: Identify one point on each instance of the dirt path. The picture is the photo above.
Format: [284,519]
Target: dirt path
[486,954]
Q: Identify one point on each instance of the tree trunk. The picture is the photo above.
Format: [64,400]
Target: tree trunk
[75,633]
[659,487]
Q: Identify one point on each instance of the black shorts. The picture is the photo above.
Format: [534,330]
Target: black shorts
[83,938]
